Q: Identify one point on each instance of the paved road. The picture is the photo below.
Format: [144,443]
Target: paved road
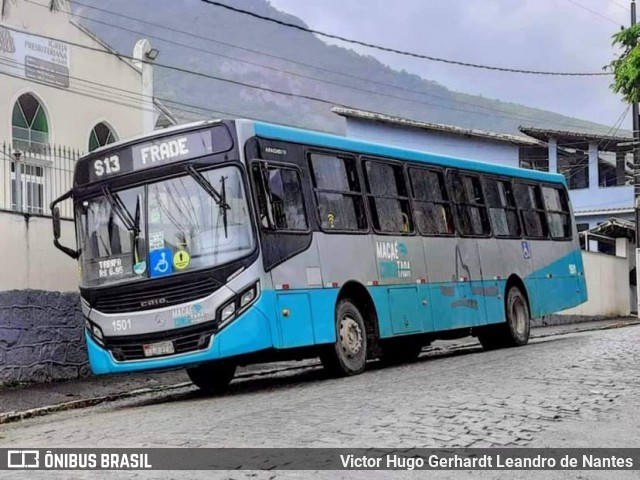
[570,390]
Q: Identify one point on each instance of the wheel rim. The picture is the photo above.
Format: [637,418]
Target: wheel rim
[350,336]
[519,316]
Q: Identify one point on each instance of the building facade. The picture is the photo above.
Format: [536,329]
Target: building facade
[63,92]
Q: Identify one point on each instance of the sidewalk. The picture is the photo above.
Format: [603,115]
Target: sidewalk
[40,399]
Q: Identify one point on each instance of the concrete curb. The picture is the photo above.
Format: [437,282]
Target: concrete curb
[10,417]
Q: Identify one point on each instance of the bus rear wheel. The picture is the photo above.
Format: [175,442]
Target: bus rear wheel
[348,355]
[515,331]
[212,377]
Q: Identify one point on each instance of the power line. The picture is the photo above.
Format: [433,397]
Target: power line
[402,52]
[507,114]
[132,95]
[330,82]
[99,94]
[593,12]
[316,67]
[624,7]
[209,76]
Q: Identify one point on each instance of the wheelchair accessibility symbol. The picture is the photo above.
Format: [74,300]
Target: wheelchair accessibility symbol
[160,262]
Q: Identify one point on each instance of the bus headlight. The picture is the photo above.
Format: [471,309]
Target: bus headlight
[248,296]
[228,310]
[95,331]
[238,304]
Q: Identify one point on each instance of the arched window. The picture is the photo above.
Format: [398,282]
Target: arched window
[29,124]
[101,135]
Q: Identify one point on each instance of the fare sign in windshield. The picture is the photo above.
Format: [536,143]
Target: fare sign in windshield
[156,152]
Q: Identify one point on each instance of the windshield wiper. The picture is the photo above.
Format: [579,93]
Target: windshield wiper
[132,224]
[219,198]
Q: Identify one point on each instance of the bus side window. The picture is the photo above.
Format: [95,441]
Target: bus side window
[431,206]
[471,210]
[529,201]
[388,197]
[502,208]
[280,204]
[338,193]
[558,215]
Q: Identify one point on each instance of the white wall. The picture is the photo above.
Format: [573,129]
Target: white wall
[434,142]
[72,112]
[607,286]
[29,260]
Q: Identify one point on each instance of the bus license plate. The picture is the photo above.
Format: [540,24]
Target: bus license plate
[157,349]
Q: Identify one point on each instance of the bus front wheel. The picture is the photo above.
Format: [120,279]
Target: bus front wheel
[515,331]
[348,355]
[212,377]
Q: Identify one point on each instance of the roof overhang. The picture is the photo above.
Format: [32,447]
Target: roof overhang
[436,127]
[612,228]
[580,140]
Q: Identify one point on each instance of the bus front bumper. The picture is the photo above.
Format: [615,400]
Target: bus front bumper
[249,332]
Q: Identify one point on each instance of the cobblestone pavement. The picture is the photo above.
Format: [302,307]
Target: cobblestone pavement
[578,389]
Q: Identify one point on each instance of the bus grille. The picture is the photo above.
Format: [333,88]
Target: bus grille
[185,340]
[121,302]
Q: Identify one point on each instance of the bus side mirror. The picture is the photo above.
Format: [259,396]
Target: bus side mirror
[57,229]
[55,216]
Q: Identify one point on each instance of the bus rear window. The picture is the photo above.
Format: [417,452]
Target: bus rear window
[558,214]
[529,201]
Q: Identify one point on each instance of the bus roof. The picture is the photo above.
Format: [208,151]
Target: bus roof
[298,135]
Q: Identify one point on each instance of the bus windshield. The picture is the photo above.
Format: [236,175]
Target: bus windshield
[194,221]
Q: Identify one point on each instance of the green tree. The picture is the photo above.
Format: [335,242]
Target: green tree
[626,68]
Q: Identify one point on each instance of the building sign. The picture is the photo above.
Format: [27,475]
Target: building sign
[34,57]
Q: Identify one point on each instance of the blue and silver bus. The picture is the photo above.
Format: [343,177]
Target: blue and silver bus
[224,243]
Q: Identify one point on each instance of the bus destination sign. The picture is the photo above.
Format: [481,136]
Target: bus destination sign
[150,154]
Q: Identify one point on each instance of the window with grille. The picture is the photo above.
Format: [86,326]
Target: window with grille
[30,190]
[29,124]
[100,136]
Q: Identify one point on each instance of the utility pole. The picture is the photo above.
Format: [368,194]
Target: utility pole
[636,177]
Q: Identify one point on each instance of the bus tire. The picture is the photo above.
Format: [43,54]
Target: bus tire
[401,350]
[348,355]
[212,377]
[515,331]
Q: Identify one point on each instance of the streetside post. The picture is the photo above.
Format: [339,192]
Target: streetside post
[18,179]
[636,177]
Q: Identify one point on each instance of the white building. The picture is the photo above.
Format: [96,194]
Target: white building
[62,92]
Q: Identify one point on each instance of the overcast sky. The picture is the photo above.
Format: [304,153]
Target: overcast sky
[554,35]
